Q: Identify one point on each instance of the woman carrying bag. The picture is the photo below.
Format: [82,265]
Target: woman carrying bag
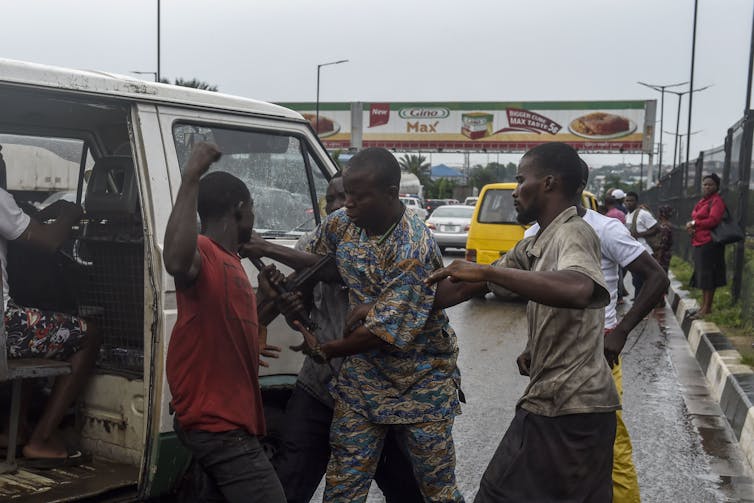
[709,256]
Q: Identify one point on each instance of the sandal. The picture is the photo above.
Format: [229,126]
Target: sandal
[74,458]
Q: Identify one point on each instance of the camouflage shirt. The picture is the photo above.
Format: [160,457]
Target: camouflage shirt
[414,378]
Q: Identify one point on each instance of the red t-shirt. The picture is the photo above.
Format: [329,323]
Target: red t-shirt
[213,355]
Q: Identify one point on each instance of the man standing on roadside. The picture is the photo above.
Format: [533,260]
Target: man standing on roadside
[213,355]
[559,446]
[641,224]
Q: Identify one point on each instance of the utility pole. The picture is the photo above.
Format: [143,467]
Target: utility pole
[661,88]
[691,82]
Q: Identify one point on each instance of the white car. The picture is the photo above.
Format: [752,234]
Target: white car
[414,204]
[450,224]
[470,201]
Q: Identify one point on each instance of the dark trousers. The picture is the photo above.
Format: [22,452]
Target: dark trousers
[552,459]
[302,459]
[230,466]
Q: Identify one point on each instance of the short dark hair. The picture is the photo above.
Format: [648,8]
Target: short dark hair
[381,163]
[220,193]
[585,171]
[561,160]
[633,194]
[714,178]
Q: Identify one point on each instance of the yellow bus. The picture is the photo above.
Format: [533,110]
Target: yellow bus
[494,229]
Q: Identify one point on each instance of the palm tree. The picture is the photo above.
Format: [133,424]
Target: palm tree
[415,164]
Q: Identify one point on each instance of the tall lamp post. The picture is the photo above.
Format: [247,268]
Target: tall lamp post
[679,140]
[678,118]
[661,88]
[318,68]
[158,74]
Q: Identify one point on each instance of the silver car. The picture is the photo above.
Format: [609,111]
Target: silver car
[449,225]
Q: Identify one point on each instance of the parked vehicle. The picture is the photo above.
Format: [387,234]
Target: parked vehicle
[494,227]
[432,204]
[450,225]
[135,137]
[414,204]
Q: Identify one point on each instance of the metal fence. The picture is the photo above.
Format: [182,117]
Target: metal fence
[681,189]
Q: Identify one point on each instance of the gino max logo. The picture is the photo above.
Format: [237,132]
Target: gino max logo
[423,113]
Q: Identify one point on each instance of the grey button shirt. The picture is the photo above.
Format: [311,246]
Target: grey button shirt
[329,310]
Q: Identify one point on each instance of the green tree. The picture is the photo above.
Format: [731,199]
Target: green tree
[416,164]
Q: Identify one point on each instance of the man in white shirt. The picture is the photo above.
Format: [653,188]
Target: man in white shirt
[619,249]
[33,333]
[641,224]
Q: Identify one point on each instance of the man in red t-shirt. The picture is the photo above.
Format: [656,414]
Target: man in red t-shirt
[213,355]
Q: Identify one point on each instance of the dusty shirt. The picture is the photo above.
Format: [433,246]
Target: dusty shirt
[568,373]
[414,378]
[329,310]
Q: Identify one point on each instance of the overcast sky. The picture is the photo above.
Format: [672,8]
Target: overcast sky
[400,50]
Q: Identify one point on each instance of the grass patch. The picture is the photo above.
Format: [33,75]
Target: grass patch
[725,314]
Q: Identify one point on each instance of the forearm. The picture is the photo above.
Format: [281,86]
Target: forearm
[450,294]
[295,259]
[568,289]
[181,232]
[654,286]
[360,340]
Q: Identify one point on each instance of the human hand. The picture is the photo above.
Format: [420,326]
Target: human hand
[524,363]
[291,305]
[614,342]
[356,316]
[269,278]
[459,270]
[310,347]
[254,247]
[68,210]
[202,156]
[265,349]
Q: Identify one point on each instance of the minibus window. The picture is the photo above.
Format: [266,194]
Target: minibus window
[497,207]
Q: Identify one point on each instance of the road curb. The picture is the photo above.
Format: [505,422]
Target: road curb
[731,383]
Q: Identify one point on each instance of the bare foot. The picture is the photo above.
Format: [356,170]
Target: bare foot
[50,449]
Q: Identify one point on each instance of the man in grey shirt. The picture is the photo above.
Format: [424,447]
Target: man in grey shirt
[559,446]
[302,458]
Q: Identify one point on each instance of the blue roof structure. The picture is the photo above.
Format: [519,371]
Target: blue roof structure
[443,171]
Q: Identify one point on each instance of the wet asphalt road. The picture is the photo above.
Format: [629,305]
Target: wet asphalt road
[674,462]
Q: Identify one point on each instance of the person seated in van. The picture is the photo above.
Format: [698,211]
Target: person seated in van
[213,355]
[35,333]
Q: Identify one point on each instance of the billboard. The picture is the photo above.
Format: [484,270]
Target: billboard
[593,126]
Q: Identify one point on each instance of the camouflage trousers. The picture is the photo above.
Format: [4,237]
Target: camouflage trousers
[356,445]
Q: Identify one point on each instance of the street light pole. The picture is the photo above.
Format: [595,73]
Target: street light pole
[678,119]
[158,74]
[661,88]
[691,82]
[316,122]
